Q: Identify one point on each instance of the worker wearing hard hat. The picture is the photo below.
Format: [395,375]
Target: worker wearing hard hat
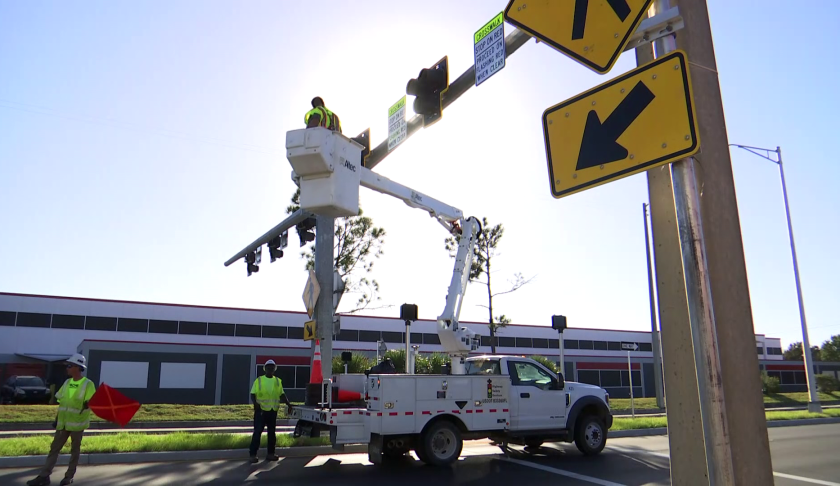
[266,393]
[72,420]
[320,116]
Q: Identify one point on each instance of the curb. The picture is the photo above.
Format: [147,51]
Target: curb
[203,455]
[617,434]
[797,422]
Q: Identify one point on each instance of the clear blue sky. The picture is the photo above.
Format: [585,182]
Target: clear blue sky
[142,144]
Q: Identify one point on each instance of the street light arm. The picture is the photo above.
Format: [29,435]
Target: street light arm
[753,150]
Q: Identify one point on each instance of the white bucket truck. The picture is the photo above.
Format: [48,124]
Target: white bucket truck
[508,399]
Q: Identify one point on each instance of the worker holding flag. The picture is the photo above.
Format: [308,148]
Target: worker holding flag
[266,393]
[72,420]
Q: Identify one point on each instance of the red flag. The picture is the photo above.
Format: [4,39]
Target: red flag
[111,405]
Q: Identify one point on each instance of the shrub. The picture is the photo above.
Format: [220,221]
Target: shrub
[827,384]
[548,363]
[770,384]
[358,364]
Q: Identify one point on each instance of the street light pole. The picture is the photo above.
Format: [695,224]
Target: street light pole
[813,398]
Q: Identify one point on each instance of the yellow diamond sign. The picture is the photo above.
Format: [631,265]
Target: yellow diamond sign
[630,124]
[592,32]
[309,330]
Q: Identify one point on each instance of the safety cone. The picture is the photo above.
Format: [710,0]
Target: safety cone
[315,375]
[348,396]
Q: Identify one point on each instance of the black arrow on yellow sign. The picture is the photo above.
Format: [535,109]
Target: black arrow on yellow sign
[599,145]
[620,7]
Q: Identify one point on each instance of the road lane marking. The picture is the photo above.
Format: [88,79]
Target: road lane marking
[561,472]
[805,480]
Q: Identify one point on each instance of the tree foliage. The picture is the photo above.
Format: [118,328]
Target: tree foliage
[830,350]
[358,243]
[486,248]
[794,352]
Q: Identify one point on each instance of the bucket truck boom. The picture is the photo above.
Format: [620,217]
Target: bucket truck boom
[327,169]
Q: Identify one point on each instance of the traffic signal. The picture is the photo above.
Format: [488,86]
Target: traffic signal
[276,245]
[252,263]
[558,323]
[306,230]
[427,89]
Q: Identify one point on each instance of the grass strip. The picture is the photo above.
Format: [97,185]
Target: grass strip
[621,405]
[642,422]
[139,442]
[152,412]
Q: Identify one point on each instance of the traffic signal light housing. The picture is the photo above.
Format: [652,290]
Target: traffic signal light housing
[558,323]
[428,89]
[306,230]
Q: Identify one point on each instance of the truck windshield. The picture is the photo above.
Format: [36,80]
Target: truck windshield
[484,367]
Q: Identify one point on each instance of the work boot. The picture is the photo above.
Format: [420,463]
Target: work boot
[39,481]
[254,460]
[272,458]
[65,482]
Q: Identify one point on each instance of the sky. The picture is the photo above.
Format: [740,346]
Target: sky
[142,145]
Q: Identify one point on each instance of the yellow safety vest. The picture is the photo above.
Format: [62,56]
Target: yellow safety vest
[328,119]
[71,417]
[268,397]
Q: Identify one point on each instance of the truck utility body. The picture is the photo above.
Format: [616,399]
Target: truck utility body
[509,399]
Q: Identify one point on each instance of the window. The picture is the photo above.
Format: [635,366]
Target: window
[484,367]
[248,330]
[276,332]
[163,327]
[485,341]
[540,343]
[600,345]
[285,373]
[646,347]
[369,336]
[348,335]
[296,333]
[759,350]
[524,343]
[507,342]
[584,344]
[554,343]
[625,378]
[614,346]
[591,377]
[571,344]
[68,322]
[132,325]
[197,328]
[7,318]
[417,338]
[431,339]
[301,375]
[28,319]
[392,337]
[799,378]
[99,323]
[610,378]
[218,329]
[526,374]
[29,381]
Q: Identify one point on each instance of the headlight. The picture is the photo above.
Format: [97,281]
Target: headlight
[18,391]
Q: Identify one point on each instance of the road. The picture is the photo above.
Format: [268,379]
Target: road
[802,456]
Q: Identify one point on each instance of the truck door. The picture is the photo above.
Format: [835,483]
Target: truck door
[536,400]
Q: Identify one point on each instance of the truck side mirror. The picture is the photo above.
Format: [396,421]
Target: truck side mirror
[561,383]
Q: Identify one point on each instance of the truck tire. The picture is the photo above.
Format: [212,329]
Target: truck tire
[441,444]
[590,436]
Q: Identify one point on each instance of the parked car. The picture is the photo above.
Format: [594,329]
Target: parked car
[24,389]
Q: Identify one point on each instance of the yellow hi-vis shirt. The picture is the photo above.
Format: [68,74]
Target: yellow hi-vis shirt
[328,119]
[71,397]
[268,392]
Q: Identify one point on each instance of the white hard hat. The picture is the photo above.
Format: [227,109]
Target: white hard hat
[270,362]
[78,359]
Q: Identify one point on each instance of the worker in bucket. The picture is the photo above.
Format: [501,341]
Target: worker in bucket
[266,393]
[320,116]
[70,423]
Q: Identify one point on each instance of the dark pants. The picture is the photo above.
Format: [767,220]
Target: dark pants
[262,419]
[58,442]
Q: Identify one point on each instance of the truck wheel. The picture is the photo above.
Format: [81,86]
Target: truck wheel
[441,444]
[533,442]
[590,437]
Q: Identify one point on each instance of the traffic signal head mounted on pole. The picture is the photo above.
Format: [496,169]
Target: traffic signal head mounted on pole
[427,89]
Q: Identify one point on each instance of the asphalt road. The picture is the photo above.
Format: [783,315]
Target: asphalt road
[802,456]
